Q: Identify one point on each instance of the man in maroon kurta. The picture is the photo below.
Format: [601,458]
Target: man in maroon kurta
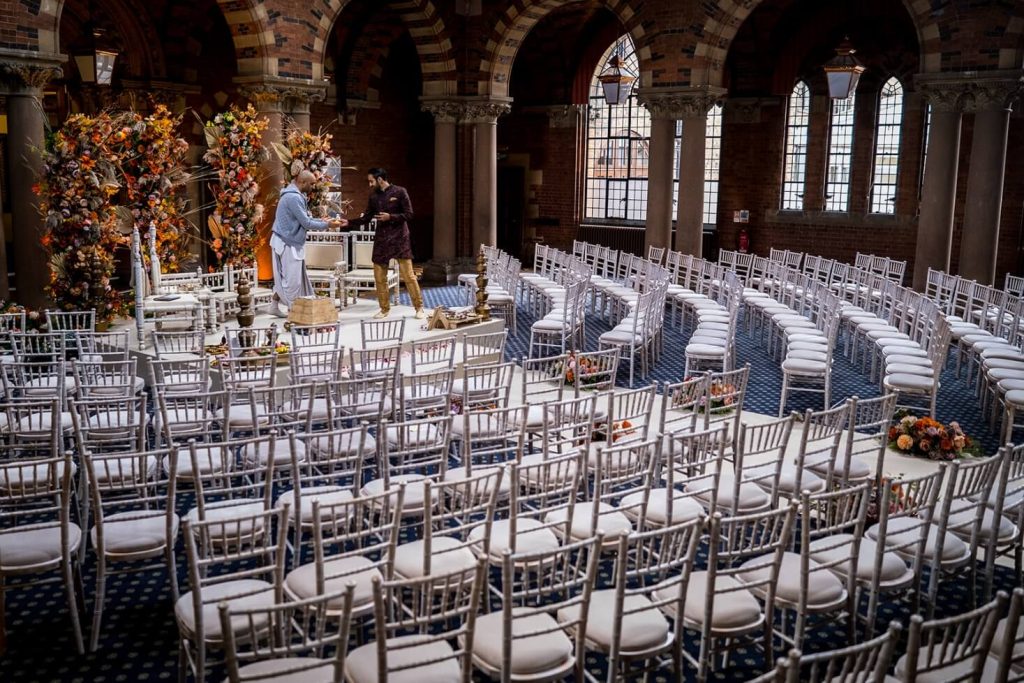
[391,207]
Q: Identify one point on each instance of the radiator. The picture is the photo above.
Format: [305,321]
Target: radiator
[630,240]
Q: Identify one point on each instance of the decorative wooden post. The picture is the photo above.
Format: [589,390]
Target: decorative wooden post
[246,315]
[482,309]
[139,275]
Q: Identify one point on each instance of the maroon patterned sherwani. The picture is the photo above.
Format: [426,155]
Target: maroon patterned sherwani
[392,240]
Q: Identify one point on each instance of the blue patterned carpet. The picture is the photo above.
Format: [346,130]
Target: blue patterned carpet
[139,641]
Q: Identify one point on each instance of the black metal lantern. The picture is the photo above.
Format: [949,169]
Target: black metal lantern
[843,71]
[617,81]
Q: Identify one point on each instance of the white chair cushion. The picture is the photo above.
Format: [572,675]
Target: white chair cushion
[361,663]
[127,533]
[276,670]
[300,583]
[893,567]
[904,530]
[751,498]
[240,594]
[612,522]
[959,524]
[824,588]
[414,490]
[735,610]
[27,551]
[530,654]
[684,507]
[641,630]
[325,495]
[226,511]
[531,536]
[446,556]
[259,452]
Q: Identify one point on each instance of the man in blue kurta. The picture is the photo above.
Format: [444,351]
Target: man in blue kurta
[288,242]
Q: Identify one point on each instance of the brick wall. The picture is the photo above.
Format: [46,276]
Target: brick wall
[397,136]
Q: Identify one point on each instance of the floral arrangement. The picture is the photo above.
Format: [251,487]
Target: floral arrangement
[153,167]
[305,151]
[79,180]
[721,397]
[588,371]
[235,143]
[620,430]
[34,319]
[927,438]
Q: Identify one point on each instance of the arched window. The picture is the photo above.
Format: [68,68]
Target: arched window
[886,162]
[840,155]
[618,139]
[712,164]
[794,169]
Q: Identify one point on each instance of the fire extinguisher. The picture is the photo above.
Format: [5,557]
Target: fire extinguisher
[744,241]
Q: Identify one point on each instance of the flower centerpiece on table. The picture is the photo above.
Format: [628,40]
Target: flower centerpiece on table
[235,142]
[80,178]
[924,437]
[153,166]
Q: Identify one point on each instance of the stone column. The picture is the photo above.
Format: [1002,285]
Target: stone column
[25,134]
[296,105]
[991,98]
[267,100]
[446,113]
[938,193]
[483,115]
[690,209]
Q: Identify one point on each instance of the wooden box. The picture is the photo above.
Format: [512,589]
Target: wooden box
[310,310]
[442,319]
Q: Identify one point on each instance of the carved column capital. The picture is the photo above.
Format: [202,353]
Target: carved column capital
[970,91]
[264,97]
[443,111]
[27,77]
[485,110]
[565,115]
[680,103]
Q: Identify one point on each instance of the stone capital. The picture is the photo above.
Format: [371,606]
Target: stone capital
[27,77]
[443,111]
[744,109]
[680,103]
[485,110]
[970,91]
[565,115]
[281,94]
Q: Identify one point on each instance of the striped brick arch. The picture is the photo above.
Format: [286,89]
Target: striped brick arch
[517,21]
[429,34]
[248,22]
[369,54]
[724,18]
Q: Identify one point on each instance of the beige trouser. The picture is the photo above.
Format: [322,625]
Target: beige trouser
[380,280]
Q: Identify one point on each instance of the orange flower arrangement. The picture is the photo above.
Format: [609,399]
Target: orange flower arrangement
[154,173]
[925,437]
[80,179]
[235,142]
